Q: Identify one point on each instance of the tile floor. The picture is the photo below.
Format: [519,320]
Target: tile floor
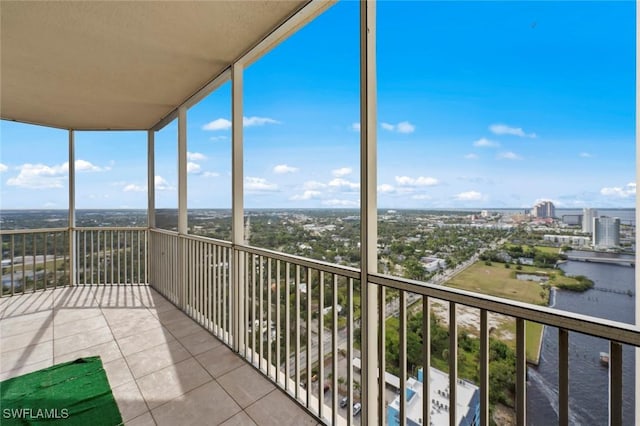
[164,369]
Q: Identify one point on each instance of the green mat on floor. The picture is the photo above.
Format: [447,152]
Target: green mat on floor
[72,393]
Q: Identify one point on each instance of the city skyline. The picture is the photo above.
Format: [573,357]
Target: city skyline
[538,105]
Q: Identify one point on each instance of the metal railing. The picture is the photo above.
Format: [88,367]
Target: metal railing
[34,260]
[111,255]
[297,321]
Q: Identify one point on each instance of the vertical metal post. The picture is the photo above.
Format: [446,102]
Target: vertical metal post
[368,212]
[237,202]
[563,377]
[183,283]
[72,208]
[484,368]
[615,384]
[521,372]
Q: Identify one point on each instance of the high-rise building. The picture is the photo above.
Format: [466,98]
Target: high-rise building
[587,219]
[467,401]
[606,232]
[544,209]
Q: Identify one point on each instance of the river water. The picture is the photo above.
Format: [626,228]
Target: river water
[588,379]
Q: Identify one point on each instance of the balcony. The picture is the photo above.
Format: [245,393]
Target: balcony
[162,366]
[199,330]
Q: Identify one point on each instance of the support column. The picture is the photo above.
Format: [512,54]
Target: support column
[183,282]
[237,207]
[151,187]
[182,170]
[368,215]
[72,208]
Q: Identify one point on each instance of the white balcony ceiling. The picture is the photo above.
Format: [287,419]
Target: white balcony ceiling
[121,65]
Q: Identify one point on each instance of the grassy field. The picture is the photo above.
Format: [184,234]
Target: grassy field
[545,249]
[496,280]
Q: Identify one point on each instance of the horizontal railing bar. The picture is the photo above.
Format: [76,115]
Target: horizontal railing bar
[110,228]
[31,231]
[344,271]
[597,327]
[209,240]
[164,232]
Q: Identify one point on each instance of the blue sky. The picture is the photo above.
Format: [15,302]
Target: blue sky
[479,105]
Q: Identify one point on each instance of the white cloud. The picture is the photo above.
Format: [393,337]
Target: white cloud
[503,129]
[312,184]
[469,196]
[419,181]
[193,167]
[134,188]
[508,156]
[341,172]
[471,156]
[281,169]
[401,127]
[421,197]
[196,156]
[344,184]
[40,176]
[224,124]
[85,166]
[210,174]
[355,127]
[161,184]
[486,143]
[217,138]
[585,155]
[385,188]
[218,124]
[3,168]
[405,127]
[340,203]
[258,121]
[307,195]
[629,190]
[256,184]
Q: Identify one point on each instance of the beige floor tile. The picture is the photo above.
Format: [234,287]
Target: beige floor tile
[74,297]
[245,385]
[19,358]
[144,420]
[183,327]
[172,315]
[240,419]
[70,328]
[278,410]
[65,315]
[129,400]
[29,303]
[107,352]
[145,340]
[28,338]
[80,341]
[164,385]
[220,361]
[117,372]
[133,326]
[22,324]
[206,405]
[156,358]
[199,342]
[26,369]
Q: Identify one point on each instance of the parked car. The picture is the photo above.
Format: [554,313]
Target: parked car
[357,407]
[344,401]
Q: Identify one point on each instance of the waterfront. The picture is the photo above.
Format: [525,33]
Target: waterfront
[588,379]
